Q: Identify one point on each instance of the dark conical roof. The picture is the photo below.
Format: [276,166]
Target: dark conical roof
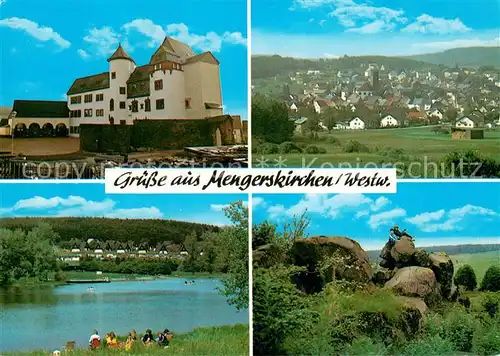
[120,54]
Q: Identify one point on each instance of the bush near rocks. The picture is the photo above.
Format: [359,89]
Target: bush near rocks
[491,279]
[289,147]
[466,277]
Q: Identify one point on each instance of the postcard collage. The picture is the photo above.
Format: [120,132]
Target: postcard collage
[260,245]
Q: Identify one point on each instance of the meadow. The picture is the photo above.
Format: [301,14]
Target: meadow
[221,340]
[478,261]
[385,147]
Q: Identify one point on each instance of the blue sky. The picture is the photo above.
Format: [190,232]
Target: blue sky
[331,28]
[435,214]
[47,44]
[60,199]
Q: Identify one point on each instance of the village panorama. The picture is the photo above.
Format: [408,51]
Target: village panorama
[438,113]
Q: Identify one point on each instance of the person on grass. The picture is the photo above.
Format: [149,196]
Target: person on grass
[95,340]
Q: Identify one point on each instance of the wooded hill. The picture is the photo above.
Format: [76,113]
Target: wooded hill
[463,57]
[139,231]
[449,249]
[270,66]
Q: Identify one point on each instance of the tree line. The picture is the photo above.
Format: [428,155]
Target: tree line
[147,232]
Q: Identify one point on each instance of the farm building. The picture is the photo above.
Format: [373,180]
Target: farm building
[467,134]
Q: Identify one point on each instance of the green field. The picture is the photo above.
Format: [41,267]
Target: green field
[221,340]
[478,261]
[417,143]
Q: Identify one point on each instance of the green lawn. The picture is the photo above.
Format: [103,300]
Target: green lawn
[220,340]
[478,261]
[416,142]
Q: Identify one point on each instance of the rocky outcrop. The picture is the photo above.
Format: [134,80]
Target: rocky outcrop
[442,266]
[414,282]
[344,259]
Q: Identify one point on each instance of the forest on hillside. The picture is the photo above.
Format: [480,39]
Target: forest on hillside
[139,231]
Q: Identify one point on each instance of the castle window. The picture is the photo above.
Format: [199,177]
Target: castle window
[147,103]
[87,113]
[99,112]
[158,84]
[142,106]
[135,106]
[160,104]
[99,97]
[122,90]
[88,98]
[113,75]
[111,105]
[76,99]
[187,103]
[122,105]
[123,122]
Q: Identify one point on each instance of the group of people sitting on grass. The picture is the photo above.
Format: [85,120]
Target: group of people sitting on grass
[395,235]
[162,339]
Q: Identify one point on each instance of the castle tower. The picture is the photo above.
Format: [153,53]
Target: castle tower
[121,65]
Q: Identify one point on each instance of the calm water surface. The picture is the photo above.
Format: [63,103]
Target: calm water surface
[47,317]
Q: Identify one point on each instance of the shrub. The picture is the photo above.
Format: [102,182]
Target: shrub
[289,147]
[470,163]
[355,146]
[60,276]
[490,304]
[487,340]
[459,329]
[333,140]
[491,280]
[313,149]
[466,277]
[267,148]
[434,345]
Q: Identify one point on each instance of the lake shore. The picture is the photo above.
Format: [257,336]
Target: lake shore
[228,340]
[115,277]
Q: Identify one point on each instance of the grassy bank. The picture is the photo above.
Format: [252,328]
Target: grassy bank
[219,340]
[415,142]
[478,261]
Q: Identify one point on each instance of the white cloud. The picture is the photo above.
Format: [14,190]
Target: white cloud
[276,211]
[33,29]
[370,19]
[307,4]
[218,207]
[428,24]
[322,22]
[82,53]
[2,2]
[147,28]
[386,218]
[210,41]
[449,221]
[380,203]
[38,202]
[329,55]
[425,218]
[258,201]
[362,213]
[137,213]
[234,38]
[311,19]
[103,41]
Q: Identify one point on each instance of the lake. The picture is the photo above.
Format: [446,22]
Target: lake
[45,317]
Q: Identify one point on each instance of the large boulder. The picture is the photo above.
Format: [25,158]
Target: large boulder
[414,282]
[403,251]
[348,260]
[413,302]
[442,266]
[381,277]
[386,259]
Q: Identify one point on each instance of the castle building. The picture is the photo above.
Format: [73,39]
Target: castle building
[177,83]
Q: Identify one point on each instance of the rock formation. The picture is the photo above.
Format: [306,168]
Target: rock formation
[350,261]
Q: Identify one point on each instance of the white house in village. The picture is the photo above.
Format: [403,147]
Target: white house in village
[356,124]
[435,113]
[389,121]
[177,83]
[293,107]
[464,122]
